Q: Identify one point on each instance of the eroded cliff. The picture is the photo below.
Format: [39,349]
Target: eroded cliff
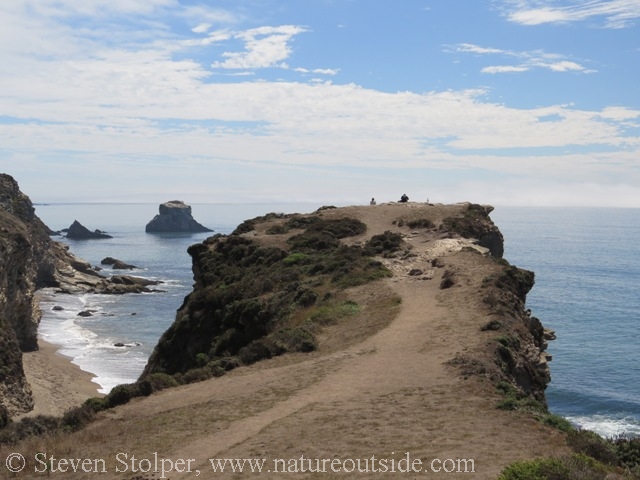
[274,284]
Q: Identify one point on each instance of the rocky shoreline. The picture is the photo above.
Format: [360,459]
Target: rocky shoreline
[30,260]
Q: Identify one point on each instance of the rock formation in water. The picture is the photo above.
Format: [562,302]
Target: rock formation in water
[175,216]
[77,231]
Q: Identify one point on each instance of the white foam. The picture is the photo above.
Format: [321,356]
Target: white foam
[608,426]
[97,355]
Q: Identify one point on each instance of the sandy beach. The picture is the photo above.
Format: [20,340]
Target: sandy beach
[57,384]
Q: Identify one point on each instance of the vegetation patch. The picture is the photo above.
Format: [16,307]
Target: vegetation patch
[255,302]
[595,458]
[472,223]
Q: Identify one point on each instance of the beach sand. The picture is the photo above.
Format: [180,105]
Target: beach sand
[57,384]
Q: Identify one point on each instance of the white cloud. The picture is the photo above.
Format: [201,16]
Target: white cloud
[201,28]
[614,13]
[528,60]
[470,48]
[505,69]
[264,47]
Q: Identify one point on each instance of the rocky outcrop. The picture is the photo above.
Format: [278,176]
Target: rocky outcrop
[175,216]
[77,231]
[475,223]
[117,264]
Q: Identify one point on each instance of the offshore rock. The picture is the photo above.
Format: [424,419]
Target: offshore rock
[77,231]
[175,216]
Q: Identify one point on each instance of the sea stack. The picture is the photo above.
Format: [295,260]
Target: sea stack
[77,231]
[175,216]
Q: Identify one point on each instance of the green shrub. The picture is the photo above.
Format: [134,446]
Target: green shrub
[296,258]
[556,421]
[575,467]
[421,223]
[542,469]
[385,243]
[77,418]
[197,375]
[15,432]
[591,444]
[96,404]
[120,394]
[628,452]
[158,382]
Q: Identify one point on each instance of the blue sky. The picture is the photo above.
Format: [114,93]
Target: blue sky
[507,102]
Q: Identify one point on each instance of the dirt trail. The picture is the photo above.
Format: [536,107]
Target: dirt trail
[392,360]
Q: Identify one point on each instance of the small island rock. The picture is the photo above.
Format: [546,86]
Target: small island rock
[77,231]
[175,216]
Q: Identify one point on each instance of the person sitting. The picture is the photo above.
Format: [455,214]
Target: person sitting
[404,198]
[372,202]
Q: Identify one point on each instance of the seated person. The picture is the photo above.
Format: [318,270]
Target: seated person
[404,198]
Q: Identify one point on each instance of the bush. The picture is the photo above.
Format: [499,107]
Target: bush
[77,418]
[543,469]
[628,452]
[556,421]
[593,445]
[155,383]
[421,223]
[28,427]
[120,395]
[575,467]
[197,375]
[385,243]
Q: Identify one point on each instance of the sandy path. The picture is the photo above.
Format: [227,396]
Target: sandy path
[389,361]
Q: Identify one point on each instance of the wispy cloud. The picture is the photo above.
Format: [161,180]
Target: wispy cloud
[525,61]
[613,13]
[264,47]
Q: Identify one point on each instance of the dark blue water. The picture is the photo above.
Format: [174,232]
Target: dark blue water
[586,261]
[587,266]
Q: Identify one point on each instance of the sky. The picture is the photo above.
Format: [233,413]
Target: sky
[502,102]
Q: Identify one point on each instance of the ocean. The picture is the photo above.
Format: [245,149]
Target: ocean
[586,261]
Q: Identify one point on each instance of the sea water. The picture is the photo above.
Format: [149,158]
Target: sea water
[586,261]
[587,270]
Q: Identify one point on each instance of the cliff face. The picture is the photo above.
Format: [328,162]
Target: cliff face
[25,262]
[24,242]
[272,286]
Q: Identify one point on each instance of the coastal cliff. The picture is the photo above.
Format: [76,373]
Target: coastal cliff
[272,285]
[29,261]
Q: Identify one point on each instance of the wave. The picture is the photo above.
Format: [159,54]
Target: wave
[96,353]
[608,426]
